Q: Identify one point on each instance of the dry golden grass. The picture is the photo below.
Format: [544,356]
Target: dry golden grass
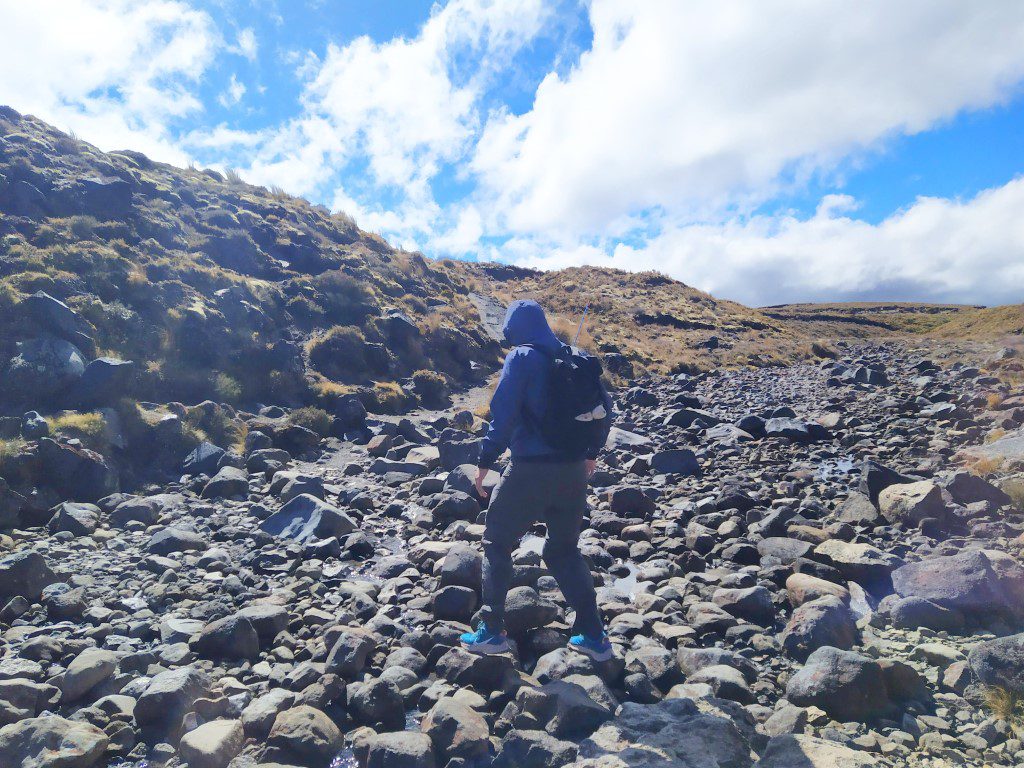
[90,428]
[1007,706]
[994,400]
[984,466]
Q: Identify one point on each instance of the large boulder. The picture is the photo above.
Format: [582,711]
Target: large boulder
[826,621]
[674,732]
[566,709]
[233,637]
[675,461]
[875,477]
[169,696]
[213,744]
[51,742]
[306,735]
[533,749]
[799,751]
[203,459]
[967,488]
[43,367]
[1000,662]
[76,473]
[11,504]
[229,482]
[104,381]
[404,749]
[976,582]
[908,504]
[306,517]
[24,574]
[847,685]
[87,670]
[457,730]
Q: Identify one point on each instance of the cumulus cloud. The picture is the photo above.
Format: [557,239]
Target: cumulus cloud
[402,106]
[936,250]
[115,71]
[691,109]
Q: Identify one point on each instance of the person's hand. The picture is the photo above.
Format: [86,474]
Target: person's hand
[591,465]
[481,475]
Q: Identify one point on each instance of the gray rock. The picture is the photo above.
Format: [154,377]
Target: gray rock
[404,749]
[826,621]
[74,517]
[52,742]
[847,685]
[229,482]
[534,749]
[24,574]
[213,744]
[976,582]
[809,752]
[306,735]
[457,730]
[88,669]
[306,517]
[1000,662]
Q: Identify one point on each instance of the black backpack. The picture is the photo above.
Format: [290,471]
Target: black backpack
[575,415]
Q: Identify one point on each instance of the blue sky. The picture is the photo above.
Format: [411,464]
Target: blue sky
[763,150]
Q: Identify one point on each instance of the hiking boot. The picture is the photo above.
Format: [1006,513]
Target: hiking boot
[598,650]
[485,642]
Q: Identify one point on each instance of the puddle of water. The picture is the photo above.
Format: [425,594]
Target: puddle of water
[834,469]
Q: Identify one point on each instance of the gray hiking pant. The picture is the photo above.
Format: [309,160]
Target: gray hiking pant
[555,493]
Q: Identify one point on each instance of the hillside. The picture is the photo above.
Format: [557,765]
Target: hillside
[656,323]
[216,289]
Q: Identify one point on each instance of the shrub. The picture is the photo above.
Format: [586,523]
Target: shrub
[228,389]
[388,397]
[345,299]
[339,353]
[84,227]
[313,418]
[1005,705]
[994,400]
[9,448]
[90,428]
[215,423]
[431,387]
[305,311]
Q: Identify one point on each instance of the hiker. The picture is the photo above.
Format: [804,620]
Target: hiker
[553,412]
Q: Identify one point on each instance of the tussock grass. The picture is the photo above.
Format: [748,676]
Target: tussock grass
[316,419]
[1007,706]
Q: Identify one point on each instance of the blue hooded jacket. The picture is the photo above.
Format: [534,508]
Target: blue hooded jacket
[523,385]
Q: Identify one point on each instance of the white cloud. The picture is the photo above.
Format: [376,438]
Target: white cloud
[935,250]
[689,109]
[402,106]
[233,93]
[115,71]
[246,44]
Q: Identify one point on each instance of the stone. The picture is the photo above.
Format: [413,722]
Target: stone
[403,749]
[856,561]
[52,742]
[1000,662]
[170,695]
[907,504]
[229,482]
[77,473]
[975,582]
[525,609]
[916,612]
[565,709]
[306,517]
[87,670]
[674,732]
[967,488]
[676,461]
[825,621]
[44,367]
[802,588]
[875,477]
[232,637]
[378,703]
[347,656]
[457,730]
[24,574]
[171,540]
[857,509]
[462,567]
[213,744]
[798,751]
[751,603]
[307,735]
[462,668]
[75,518]
[534,749]
[846,685]
[204,459]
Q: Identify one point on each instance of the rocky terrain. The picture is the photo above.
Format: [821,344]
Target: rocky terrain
[237,523]
[795,568]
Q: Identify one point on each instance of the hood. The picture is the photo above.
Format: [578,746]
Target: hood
[525,323]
